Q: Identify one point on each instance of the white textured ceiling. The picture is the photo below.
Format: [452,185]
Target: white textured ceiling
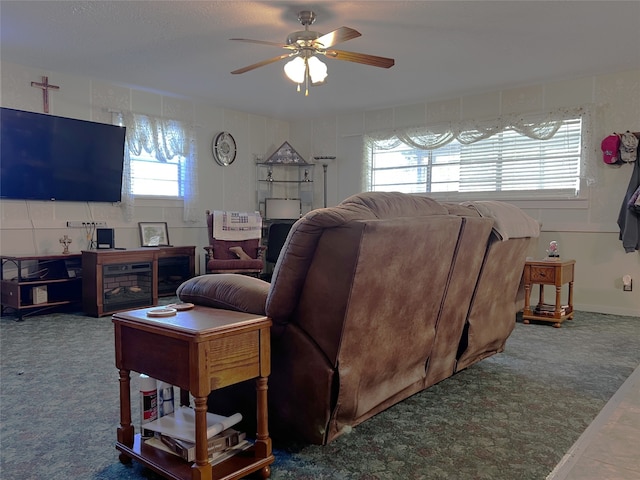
[442,48]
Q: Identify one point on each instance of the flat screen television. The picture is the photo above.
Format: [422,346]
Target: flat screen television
[45,157]
[282,208]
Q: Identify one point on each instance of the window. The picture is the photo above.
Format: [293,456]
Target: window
[149,176]
[159,160]
[522,159]
[411,170]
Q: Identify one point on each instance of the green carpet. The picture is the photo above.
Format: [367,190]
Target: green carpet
[511,416]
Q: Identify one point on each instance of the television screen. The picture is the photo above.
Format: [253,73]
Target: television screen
[45,157]
[282,209]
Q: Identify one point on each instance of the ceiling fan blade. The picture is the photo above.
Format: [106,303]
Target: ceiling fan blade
[261,64]
[262,42]
[339,35]
[364,58]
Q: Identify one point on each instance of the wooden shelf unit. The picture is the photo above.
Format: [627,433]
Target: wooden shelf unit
[58,276]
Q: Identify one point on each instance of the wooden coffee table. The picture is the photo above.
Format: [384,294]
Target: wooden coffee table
[198,350]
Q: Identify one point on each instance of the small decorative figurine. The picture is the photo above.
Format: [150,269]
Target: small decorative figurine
[553,249]
[65,241]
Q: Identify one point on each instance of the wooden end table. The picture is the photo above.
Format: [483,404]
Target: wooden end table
[199,350]
[548,272]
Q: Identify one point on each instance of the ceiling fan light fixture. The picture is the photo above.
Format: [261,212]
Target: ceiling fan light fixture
[295,69]
[317,70]
[307,70]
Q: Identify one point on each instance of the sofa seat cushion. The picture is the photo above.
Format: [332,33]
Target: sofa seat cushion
[228,291]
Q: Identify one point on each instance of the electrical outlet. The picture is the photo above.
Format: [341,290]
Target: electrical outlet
[627,283]
[86,224]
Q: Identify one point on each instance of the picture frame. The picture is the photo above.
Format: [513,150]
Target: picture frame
[154,234]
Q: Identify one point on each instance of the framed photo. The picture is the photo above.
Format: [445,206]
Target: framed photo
[154,234]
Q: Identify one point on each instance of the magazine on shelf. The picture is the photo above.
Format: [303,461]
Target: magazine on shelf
[548,310]
[218,443]
[229,452]
[181,424]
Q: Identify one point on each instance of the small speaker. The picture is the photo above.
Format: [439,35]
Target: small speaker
[104,238]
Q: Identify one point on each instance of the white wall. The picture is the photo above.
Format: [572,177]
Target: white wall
[33,227]
[586,230]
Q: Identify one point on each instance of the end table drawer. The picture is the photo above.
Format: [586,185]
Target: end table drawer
[543,274]
[233,359]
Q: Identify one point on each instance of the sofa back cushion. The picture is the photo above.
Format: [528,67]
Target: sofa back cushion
[290,272]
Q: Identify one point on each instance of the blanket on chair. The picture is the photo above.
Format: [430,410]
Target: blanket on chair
[229,225]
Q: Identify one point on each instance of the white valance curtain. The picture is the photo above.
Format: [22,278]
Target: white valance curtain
[540,126]
[167,139]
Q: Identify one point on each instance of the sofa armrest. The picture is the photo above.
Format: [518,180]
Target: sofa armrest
[227,291]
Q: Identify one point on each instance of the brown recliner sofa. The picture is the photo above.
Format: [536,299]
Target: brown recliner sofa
[373,301]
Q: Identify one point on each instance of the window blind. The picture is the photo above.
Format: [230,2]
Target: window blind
[510,161]
[507,164]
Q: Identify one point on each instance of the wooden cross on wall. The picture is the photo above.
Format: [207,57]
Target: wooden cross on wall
[45,86]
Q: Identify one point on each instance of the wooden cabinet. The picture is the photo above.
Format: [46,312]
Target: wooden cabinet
[119,280]
[32,283]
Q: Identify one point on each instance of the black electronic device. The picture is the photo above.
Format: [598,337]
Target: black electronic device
[105,238]
[46,157]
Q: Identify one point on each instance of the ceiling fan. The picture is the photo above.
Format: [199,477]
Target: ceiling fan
[305,46]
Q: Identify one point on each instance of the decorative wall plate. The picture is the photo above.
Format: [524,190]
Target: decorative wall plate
[224,149]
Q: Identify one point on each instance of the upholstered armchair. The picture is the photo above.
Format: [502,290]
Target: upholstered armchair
[234,243]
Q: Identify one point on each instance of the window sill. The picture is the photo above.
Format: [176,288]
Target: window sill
[155,200]
[534,203]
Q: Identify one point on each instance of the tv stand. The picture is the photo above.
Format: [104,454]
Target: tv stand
[40,282]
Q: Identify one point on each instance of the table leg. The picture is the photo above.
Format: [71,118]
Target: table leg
[263,442]
[201,469]
[125,430]
[558,311]
[571,298]
[527,299]
[541,295]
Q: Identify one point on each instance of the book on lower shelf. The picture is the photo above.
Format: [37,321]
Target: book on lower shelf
[181,424]
[229,438]
[214,457]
